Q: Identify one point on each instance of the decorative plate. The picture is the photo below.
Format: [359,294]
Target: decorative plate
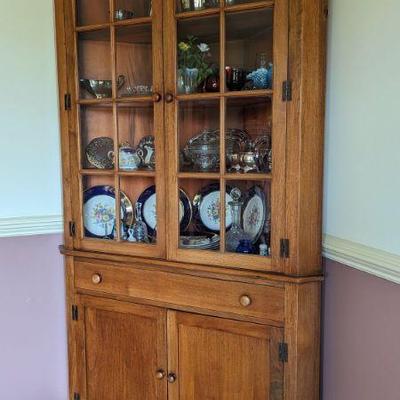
[98,150]
[254,212]
[99,211]
[207,208]
[199,242]
[149,209]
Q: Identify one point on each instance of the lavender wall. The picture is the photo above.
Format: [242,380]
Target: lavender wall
[361,336]
[361,325]
[33,363]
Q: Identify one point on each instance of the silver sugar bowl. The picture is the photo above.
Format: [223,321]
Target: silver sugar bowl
[203,151]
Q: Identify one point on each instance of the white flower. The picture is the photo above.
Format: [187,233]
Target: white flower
[203,47]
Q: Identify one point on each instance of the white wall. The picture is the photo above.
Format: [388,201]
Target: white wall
[362,130]
[29,130]
[362,164]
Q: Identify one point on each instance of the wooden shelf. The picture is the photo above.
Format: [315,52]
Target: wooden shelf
[197,14]
[94,27]
[232,94]
[247,177]
[97,172]
[249,6]
[250,93]
[138,173]
[133,21]
[95,102]
[199,175]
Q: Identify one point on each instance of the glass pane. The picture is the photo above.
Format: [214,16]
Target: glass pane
[90,12]
[138,210]
[199,214]
[198,128]
[136,136]
[248,142]
[98,207]
[134,60]
[94,64]
[96,131]
[198,55]
[249,209]
[128,9]
[195,5]
[249,50]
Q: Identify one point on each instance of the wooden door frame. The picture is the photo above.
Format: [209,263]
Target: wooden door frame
[71,146]
[281,49]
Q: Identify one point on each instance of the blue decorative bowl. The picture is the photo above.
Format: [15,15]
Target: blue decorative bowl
[261,77]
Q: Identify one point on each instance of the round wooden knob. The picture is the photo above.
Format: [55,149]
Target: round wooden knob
[245,300]
[171,378]
[156,97]
[96,279]
[160,374]
[169,97]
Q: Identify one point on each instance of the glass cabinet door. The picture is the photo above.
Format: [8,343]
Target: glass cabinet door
[119,138]
[226,65]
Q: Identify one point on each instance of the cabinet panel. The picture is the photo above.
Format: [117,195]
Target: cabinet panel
[123,348]
[222,359]
[266,303]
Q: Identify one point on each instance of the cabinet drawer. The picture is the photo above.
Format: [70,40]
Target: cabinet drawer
[172,289]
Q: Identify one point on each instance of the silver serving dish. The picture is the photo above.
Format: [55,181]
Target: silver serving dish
[101,89]
[203,151]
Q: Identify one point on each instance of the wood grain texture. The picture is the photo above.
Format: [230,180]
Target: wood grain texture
[304,151]
[223,359]
[267,302]
[302,334]
[124,347]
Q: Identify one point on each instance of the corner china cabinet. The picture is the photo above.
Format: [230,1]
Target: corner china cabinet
[192,136]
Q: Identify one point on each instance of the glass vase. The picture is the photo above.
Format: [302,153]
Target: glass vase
[190,79]
[139,228]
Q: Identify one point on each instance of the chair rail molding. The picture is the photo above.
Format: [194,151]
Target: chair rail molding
[364,258]
[30,225]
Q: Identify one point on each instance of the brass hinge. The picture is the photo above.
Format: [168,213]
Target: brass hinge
[283,352]
[67,102]
[72,229]
[77,396]
[285,248]
[74,312]
[287,91]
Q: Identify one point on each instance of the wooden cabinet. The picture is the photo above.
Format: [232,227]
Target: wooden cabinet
[223,359]
[123,350]
[192,138]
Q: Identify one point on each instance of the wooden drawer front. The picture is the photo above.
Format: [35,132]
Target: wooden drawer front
[266,302]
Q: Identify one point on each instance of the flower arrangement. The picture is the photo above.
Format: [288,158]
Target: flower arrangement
[194,54]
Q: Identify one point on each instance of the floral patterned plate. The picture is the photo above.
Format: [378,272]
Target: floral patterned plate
[254,212]
[207,208]
[149,209]
[99,211]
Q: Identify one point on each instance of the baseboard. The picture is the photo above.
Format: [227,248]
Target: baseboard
[30,226]
[364,258]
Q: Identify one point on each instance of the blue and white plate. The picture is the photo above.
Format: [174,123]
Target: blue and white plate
[99,211]
[255,212]
[149,209]
[207,208]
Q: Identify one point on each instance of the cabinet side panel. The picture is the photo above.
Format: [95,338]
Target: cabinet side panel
[302,334]
[62,91]
[305,134]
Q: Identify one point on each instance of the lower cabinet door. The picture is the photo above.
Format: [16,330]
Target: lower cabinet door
[218,359]
[121,351]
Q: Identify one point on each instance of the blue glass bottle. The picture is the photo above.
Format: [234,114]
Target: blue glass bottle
[245,246]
